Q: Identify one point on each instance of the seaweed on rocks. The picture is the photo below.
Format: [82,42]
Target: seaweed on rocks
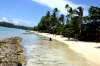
[11,52]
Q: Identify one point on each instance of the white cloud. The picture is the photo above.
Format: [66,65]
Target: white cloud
[60,4]
[17,21]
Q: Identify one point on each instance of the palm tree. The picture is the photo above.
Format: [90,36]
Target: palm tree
[70,11]
[80,13]
[61,19]
[55,11]
[75,18]
[54,20]
[48,20]
[55,17]
[48,14]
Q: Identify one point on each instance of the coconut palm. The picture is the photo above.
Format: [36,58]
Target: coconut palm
[70,11]
[61,19]
[55,11]
[80,11]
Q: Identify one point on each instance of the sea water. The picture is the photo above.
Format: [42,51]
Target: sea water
[39,51]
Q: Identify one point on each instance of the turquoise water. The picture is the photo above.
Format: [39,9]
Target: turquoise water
[8,32]
[41,52]
[11,32]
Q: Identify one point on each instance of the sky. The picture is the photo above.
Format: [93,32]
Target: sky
[29,12]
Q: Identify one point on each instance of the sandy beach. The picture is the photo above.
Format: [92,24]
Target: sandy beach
[88,50]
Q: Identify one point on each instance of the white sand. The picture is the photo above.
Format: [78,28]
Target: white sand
[87,49]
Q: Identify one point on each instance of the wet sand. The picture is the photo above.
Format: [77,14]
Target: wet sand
[53,53]
[88,50]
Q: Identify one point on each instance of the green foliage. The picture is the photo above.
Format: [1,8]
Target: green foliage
[59,30]
[10,25]
[91,30]
[94,12]
[76,26]
[61,19]
[45,23]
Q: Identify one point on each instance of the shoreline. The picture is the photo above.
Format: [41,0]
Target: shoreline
[89,50]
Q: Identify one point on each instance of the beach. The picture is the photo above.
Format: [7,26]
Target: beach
[88,50]
[39,51]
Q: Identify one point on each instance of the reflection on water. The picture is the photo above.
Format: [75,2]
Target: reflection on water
[41,52]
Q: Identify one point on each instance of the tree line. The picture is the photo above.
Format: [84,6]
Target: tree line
[10,25]
[73,24]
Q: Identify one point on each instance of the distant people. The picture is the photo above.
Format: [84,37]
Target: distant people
[19,64]
[50,39]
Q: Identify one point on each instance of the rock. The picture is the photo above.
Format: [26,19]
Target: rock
[11,52]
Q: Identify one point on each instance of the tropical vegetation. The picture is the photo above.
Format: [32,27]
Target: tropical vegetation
[73,24]
[10,25]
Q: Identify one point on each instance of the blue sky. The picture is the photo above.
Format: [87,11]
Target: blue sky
[29,12]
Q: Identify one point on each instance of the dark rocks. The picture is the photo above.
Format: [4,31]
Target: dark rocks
[11,52]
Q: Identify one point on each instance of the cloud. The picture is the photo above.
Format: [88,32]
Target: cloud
[60,4]
[17,21]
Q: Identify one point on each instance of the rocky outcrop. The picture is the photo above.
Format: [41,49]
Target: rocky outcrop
[11,52]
